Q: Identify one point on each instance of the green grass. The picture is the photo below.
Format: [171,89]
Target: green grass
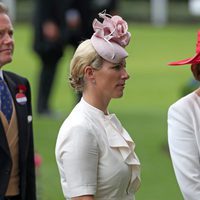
[153,86]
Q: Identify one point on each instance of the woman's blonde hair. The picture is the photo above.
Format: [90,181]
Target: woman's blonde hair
[85,55]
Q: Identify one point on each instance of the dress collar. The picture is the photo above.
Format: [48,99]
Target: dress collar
[93,110]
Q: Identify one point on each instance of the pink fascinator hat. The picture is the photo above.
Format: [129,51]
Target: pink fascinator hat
[110,37]
[193,60]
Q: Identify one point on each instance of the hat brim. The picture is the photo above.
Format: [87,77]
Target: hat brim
[194,60]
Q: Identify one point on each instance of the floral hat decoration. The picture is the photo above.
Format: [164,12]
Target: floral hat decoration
[193,60]
[110,37]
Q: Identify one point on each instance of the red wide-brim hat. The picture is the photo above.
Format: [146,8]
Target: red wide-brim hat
[193,60]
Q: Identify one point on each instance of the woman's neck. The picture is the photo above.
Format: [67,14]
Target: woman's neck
[97,101]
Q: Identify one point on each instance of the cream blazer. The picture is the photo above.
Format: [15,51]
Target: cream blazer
[95,155]
[184,144]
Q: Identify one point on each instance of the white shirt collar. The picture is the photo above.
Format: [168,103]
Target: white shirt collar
[1,74]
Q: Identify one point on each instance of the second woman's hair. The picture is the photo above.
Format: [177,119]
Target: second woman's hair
[85,55]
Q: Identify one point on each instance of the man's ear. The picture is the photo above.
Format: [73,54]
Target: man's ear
[195,68]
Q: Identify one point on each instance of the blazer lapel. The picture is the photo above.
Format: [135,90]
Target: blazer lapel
[3,140]
[21,112]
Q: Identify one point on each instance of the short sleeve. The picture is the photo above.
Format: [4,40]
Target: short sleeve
[80,159]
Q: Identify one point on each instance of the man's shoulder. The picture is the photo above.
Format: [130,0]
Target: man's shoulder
[14,76]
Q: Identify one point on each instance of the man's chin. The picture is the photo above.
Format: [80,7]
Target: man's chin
[9,58]
[7,61]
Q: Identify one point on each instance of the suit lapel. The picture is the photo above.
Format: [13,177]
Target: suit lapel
[3,140]
[21,112]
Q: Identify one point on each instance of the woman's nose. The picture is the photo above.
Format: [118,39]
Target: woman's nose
[125,74]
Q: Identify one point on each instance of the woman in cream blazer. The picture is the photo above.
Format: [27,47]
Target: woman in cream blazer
[184,134]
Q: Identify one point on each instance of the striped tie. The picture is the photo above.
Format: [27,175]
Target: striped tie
[5,100]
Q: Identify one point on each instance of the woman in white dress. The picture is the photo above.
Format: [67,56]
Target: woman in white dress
[95,154]
[184,134]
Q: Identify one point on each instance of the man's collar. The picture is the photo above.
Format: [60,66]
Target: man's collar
[1,73]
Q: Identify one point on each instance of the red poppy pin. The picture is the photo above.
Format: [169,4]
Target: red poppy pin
[20,96]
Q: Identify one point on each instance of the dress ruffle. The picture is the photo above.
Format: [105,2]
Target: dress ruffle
[119,138]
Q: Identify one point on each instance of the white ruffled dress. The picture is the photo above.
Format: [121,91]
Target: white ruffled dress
[95,156]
